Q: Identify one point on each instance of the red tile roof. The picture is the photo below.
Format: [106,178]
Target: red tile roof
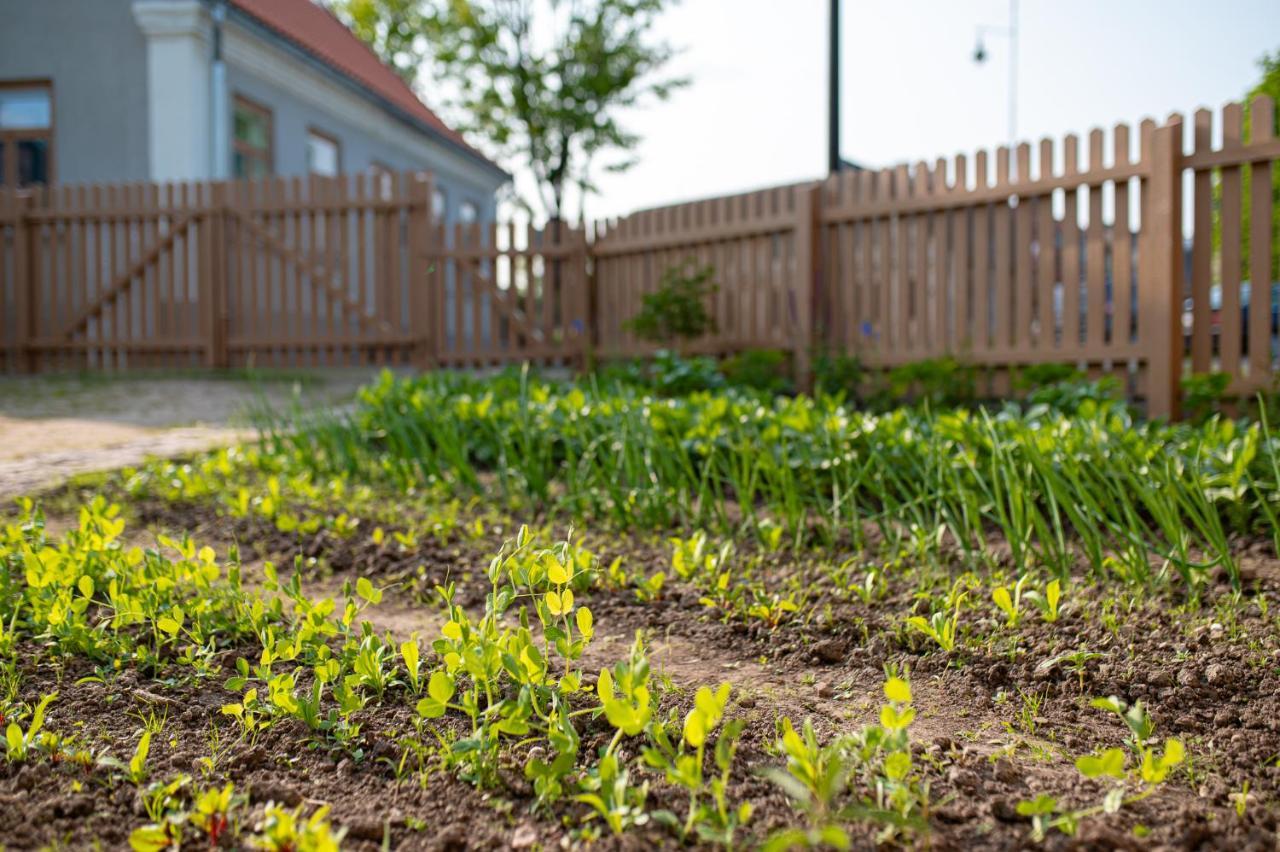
[315,30]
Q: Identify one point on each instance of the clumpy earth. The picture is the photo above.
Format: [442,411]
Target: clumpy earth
[1000,719]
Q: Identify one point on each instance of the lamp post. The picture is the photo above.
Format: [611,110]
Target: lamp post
[833,91]
[980,56]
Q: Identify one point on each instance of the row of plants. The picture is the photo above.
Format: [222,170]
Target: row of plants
[497,685]
[1135,500]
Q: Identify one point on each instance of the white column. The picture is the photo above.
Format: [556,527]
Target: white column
[179,36]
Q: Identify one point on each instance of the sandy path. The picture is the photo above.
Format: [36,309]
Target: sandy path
[38,454]
[53,427]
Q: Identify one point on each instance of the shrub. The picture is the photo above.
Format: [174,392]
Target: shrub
[938,381]
[666,374]
[1203,394]
[677,310]
[765,370]
[1036,376]
[835,372]
[1069,395]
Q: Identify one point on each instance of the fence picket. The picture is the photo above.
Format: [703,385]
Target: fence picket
[1262,122]
[891,266]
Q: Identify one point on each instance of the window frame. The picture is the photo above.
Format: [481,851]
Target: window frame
[312,130]
[244,149]
[383,178]
[9,139]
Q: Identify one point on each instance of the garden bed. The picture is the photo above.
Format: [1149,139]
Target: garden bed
[806,615]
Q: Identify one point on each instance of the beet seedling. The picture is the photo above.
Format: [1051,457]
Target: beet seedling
[941,627]
[281,830]
[1049,602]
[1134,716]
[1009,600]
[19,743]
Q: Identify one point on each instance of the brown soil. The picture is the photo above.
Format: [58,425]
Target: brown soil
[994,726]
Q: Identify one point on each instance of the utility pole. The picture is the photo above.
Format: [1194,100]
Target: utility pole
[833,92]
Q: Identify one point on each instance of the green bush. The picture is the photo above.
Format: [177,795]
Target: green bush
[835,372]
[665,374]
[1035,376]
[677,310]
[1203,395]
[938,381]
[766,370]
[1068,395]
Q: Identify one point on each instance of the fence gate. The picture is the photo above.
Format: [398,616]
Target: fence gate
[324,272]
[103,277]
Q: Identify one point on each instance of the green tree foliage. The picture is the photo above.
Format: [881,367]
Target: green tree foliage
[393,29]
[1269,85]
[545,81]
[542,81]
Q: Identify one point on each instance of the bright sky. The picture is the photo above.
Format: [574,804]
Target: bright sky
[755,114]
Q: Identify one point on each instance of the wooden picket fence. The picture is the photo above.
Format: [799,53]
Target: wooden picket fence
[1027,257]
[276,273]
[1091,253]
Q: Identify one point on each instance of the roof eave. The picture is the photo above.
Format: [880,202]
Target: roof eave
[299,52]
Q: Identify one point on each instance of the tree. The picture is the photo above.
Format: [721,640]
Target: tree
[393,29]
[1268,85]
[543,81]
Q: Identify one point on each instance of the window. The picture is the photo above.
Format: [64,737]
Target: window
[439,204]
[468,212]
[383,179]
[323,154]
[251,146]
[26,133]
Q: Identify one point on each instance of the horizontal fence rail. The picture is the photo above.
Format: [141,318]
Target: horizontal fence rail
[276,273]
[1085,252]
[1147,254]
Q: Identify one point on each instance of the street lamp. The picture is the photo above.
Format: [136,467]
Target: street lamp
[833,89]
[980,56]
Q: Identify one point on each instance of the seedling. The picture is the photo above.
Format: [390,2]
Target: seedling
[1048,603]
[1134,716]
[19,743]
[1009,600]
[941,627]
[714,820]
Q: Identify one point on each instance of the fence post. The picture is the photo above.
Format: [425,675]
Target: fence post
[591,296]
[221,301]
[1160,276]
[808,268]
[419,220]
[210,198]
[24,284]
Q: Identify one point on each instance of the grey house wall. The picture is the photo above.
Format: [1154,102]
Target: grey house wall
[95,56]
[291,119]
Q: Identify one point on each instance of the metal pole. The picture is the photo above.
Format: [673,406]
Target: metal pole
[833,92]
[1013,74]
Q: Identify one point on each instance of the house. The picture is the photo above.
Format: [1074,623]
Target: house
[157,90]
